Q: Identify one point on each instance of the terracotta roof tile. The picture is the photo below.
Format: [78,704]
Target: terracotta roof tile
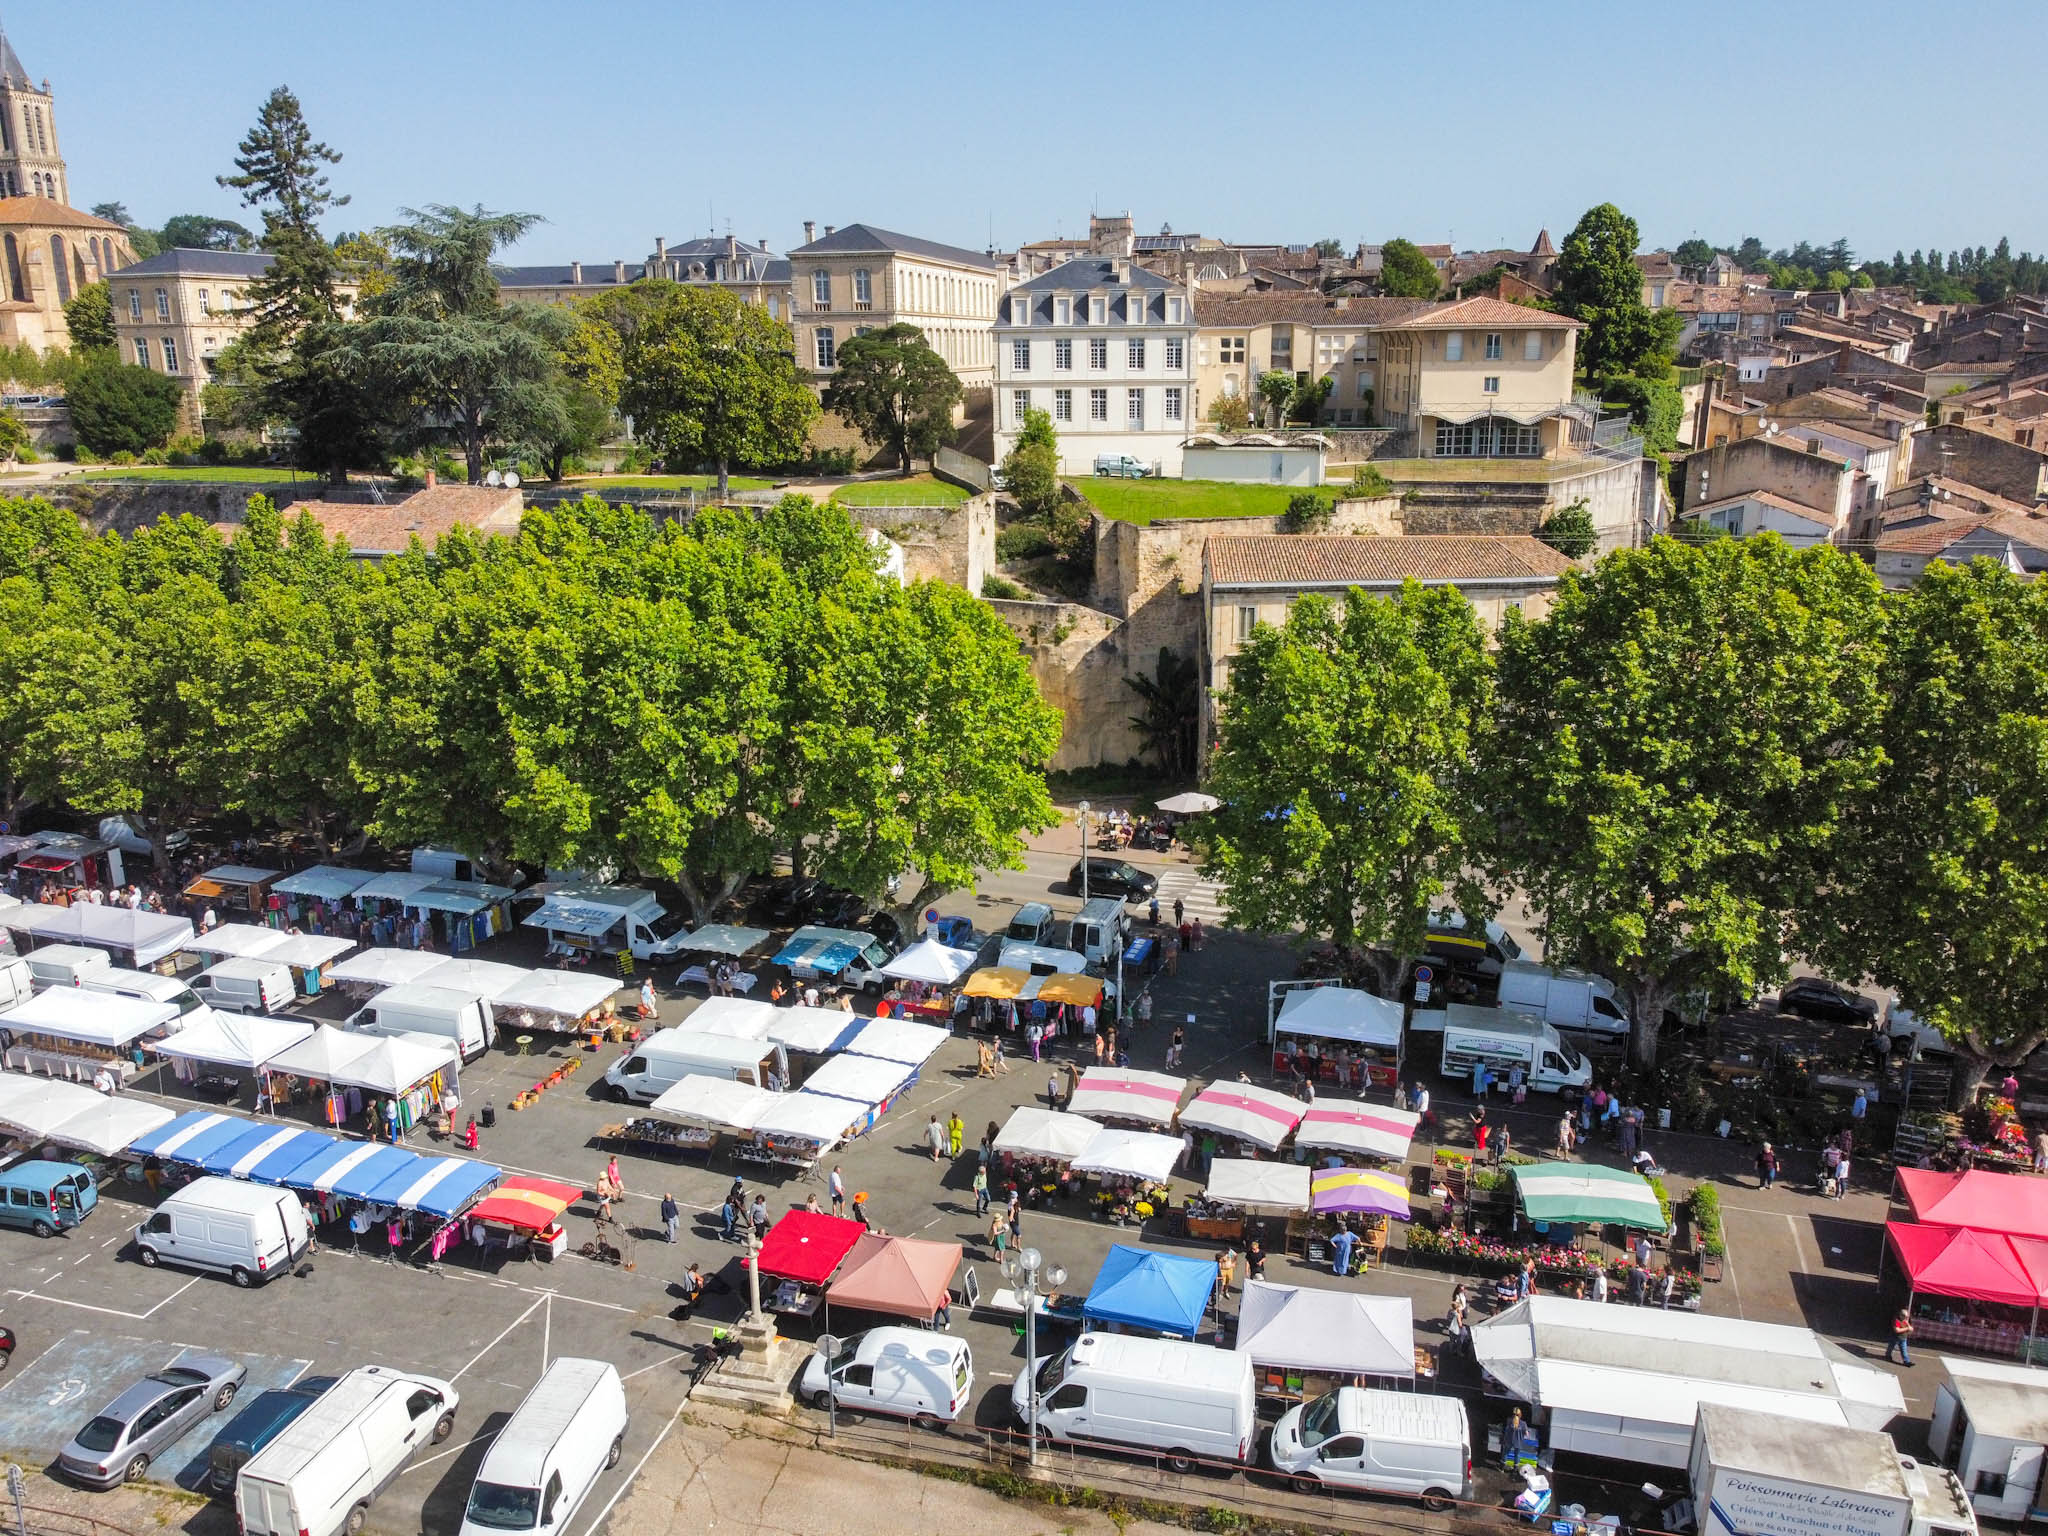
[45,210]
[374,529]
[1485,311]
[1933,538]
[1223,309]
[1337,560]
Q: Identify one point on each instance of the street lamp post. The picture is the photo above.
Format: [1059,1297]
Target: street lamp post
[1025,1269]
[1084,852]
[828,1346]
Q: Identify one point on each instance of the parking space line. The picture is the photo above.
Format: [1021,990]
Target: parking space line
[632,1476]
[139,1317]
[522,1317]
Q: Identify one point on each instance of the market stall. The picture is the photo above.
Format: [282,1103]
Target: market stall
[1240,1187]
[1990,1424]
[1972,1289]
[865,1080]
[1341,1034]
[1244,1113]
[1045,1135]
[1587,1194]
[69,1032]
[375,969]
[40,1109]
[999,983]
[1123,1093]
[340,1068]
[797,1129]
[323,883]
[265,1152]
[716,943]
[1362,1201]
[898,1040]
[2015,1204]
[816,951]
[138,940]
[380,909]
[523,1211]
[69,863]
[1151,1292]
[188,1137]
[461,914]
[803,1250]
[734,1017]
[899,1276]
[487,979]
[1371,1130]
[210,1056]
[236,941]
[236,886]
[1305,1341]
[310,955]
[1133,1168]
[812,1032]
[566,1002]
[705,1105]
[932,963]
[1074,989]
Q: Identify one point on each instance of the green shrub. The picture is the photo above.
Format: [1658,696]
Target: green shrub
[1706,1220]
[1024,541]
[1569,530]
[213,451]
[1306,513]
[122,457]
[1367,481]
[116,406]
[996,586]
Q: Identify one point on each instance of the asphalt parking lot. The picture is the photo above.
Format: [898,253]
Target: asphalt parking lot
[90,1319]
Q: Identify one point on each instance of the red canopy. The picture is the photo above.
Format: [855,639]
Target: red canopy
[807,1246]
[532,1205]
[2013,1203]
[1978,1266]
[903,1276]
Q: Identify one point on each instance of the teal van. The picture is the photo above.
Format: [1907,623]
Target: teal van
[46,1197]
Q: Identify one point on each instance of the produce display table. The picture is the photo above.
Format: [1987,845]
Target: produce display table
[656,1138]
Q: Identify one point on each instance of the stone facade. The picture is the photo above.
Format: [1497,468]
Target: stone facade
[50,252]
[31,161]
[956,545]
[1990,463]
[861,278]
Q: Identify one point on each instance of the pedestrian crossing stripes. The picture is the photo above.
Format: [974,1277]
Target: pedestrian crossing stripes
[1200,896]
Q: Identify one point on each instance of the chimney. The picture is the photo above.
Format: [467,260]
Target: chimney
[810,231]
[618,271]
[732,249]
[430,479]
[764,242]
[575,271]
[831,229]
[1120,271]
[661,253]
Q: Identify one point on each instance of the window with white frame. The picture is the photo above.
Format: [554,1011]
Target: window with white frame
[163,304]
[205,302]
[1247,621]
[142,351]
[1063,353]
[1098,352]
[1063,405]
[170,355]
[1492,385]
[825,350]
[134,304]
[1173,404]
[1020,356]
[863,288]
[1532,347]
[1173,309]
[1454,347]
[1020,402]
[1063,310]
[821,288]
[1134,409]
[1492,346]
[1098,310]
[1098,405]
[1020,311]
[1134,309]
[1176,354]
[1135,354]
[1454,440]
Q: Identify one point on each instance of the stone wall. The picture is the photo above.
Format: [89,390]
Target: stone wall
[1351,445]
[124,506]
[950,544]
[1979,459]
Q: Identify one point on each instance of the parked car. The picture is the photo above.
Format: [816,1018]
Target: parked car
[1121,466]
[781,901]
[261,1421]
[118,1443]
[885,927]
[1815,997]
[6,1347]
[1113,877]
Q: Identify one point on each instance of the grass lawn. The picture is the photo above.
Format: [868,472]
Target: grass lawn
[917,491]
[661,483]
[1145,501]
[225,474]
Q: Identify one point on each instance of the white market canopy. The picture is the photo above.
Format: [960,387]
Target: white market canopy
[1301,1327]
[1262,1116]
[1351,1125]
[714,1101]
[95,1018]
[385,967]
[461,897]
[149,935]
[1047,1133]
[813,1030]
[399,1063]
[244,1040]
[109,1122]
[1125,1093]
[1188,803]
[1141,1154]
[930,961]
[571,994]
[1341,1013]
[488,979]
[22,1088]
[309,951]
[811,1116]
[736,1018]
[1242,1181]
[325,1055]
[863,1079]
[323,882]
[237,941]
[395,885]
[724,939]
[902,1040]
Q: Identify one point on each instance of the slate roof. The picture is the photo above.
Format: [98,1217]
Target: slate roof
[1337,560]
[1483,311]
[855,238]
[1087,272]
[10,65]
[198,263]
[1543,247]
[596,274]
[1225,309]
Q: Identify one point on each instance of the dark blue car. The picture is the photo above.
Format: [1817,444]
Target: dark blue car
[261,1422]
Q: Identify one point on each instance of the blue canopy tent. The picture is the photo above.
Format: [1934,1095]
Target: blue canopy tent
[170,1140]
[1158,1292]
[437,1186]
[201,1142]
[235,1158]
[360,1180]
[829,956]
[281,1157]
[326,1170]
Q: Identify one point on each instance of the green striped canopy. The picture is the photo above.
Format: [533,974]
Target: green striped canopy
[1587,1193]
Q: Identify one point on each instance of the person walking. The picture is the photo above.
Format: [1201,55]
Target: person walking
[999,1234]
[469,1134]
[1052,1089]
[1197,926]
[2041,1152]
[730,1214]
[671,1216]
[1226,1271]
[1502,1144]
[1255,1260]
[1667,1286]
[1567,1133]
[1340,1249]
[1174,1047]
[1842,1175]
[1454,1321]
[956,1129]
[758,1214]
[935,1134]
[838,1184]
[860,1208]
[1180,909]
[1600,1283]
[1766,1167]
[981,1191]
[1902,1330]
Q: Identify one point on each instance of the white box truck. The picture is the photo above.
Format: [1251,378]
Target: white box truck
[413,1009]
[1564,999]
[1189,1402]
[605,919]
[1506,1038]
[319,1476]
[1767,1474]
[668,1056]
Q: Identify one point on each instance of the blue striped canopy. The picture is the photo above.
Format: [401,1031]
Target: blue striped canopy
[201,1139]
[222,1159]
[361,1179]
[439,1186]
[281,1157]
[179,1132]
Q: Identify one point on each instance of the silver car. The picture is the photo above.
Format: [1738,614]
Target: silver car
[119,1442]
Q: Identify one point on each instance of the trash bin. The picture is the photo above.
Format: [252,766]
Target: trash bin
[488,1118]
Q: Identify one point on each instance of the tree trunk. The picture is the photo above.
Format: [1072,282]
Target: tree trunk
[724,480]
[1647,997]
[1387,969]
[1971,1070]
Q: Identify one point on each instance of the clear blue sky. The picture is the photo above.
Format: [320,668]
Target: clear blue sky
[1894,125]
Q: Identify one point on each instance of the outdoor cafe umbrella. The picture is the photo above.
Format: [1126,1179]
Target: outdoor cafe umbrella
[1188,803]
[1359,1190]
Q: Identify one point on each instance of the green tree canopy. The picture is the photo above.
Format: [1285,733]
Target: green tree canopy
[1169,715]
[1406,273]
[90,318]
[1347,767]
[117,407]
[896,391]
[1031,469]
[1276,391]
[203,232]
[1693,253]
[1599,283]
[1569,530]
[1678,743]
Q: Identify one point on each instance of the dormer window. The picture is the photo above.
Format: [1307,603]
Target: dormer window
[1134,309]
[1173,310]
[1020,311]
[1098,310]
[1063,310]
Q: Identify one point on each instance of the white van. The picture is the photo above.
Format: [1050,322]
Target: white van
[1100,930]
[149,987]
[1566,999]
[1031,923]
[1480,951]
[246,986]
[608,919]
[250,1232]
[913,1372]
[17,981]
[668,1056]
[570,1428]
[1507,1038]
[318,1477]
[1410,1443]
[1189,1401]
[411,1009]
[66,965]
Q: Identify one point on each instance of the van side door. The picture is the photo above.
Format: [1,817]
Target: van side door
[1071,1402]
[551,1502]
[1339,1460]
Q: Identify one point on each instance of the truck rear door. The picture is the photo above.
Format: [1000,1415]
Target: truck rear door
[266,1508]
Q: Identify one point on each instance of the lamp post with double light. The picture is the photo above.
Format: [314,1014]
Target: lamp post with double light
[1026,1269]
[1083,808]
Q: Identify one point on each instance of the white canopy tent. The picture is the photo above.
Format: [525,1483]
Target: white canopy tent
[1349,1125]
[902,1040]
[1034,1132]
[1301,1327]
[237,941]
[461,897]
[813,1030]
[1128,1094]
[714,1101]
[385,967]
[1188,803]
[567,994]
[146,936]
[724,939]
[488,979]
[308,951]
[930,961]
[324,1055]
[399,1063]
[811,1116]
[1141,1154]
[108,1123]
[863,1079]
[92,1018]
[20,1088]
[1264,1117]
[1341,1013]
[734,1017]
[1257,1186]
[394,885]
[244,1040]
[323,882]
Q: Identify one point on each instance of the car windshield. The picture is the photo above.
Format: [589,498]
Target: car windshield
[1509,947]
[666,926]
[1053,1369]
[875,955]
[503,1508]
[186,999]
[102,1434]
[1571,1057]
[1319,1419]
